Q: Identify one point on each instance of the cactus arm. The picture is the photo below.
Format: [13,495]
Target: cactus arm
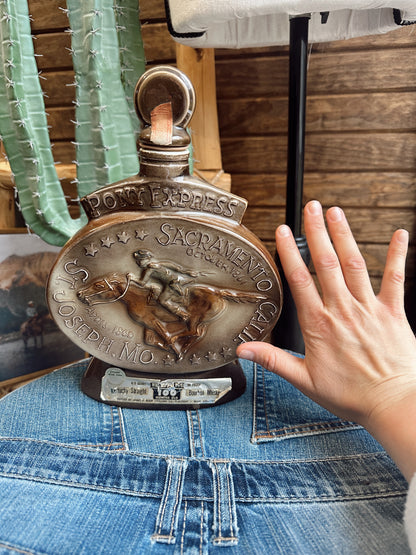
[23,127]
[108,59]
[86,171]
[132,56]
[106,148]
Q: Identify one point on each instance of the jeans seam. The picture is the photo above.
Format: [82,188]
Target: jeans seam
[254,426]
[185,513]
[163,505]
[112,425]
[122,429]
[86,486]
[196,451]
[152,456]
[230,507]
[107,446]
[288,499]
[158,535]
[116,410]
[191,432]
[266,416]
[306,429]
[178,487]
[220,538]
[218,489]
[201,540]
[386,494]
[289,431]
[76,446]
[19,550]
[200,433]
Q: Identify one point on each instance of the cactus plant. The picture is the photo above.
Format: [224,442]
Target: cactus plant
[105,126]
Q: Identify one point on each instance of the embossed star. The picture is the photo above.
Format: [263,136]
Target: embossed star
[211,356]
[168,360]
[195,359]
[225,352]
[141,234]
[91,250]
[123,237]
[107,242]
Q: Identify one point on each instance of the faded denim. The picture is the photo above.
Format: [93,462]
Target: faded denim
[270,472]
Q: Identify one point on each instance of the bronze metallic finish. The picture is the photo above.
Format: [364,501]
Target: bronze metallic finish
[164,279]
[164,292]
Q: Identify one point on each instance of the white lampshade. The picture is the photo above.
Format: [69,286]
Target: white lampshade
[251,23]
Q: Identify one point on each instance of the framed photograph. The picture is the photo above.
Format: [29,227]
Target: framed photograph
[30,342]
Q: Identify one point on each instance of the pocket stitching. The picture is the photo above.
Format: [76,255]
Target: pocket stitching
[309,428]
[289,431]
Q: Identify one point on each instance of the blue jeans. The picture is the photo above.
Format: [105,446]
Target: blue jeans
[270,472]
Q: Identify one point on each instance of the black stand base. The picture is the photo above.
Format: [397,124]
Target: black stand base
[138,390]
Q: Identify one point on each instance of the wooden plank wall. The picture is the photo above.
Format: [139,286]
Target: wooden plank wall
[360,131]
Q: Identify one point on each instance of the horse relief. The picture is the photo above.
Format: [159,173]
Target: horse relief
[167,300]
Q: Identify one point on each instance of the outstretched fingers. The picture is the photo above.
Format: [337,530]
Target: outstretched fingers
[392,285]
[325,260]
[352,262]
[303,289]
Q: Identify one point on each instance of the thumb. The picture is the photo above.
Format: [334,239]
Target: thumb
[286,365]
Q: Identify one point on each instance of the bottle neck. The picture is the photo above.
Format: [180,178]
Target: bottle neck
[164,160]
[163,163]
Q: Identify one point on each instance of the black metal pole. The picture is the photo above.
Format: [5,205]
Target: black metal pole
[298,59]
[287,333]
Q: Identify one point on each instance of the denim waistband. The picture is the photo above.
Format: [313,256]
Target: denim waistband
[128,473]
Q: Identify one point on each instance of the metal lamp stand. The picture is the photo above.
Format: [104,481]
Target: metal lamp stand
[287,333]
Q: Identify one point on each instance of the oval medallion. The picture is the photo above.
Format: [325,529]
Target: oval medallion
[165,293]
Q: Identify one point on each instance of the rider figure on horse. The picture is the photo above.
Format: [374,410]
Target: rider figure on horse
[166,282]
[31,311]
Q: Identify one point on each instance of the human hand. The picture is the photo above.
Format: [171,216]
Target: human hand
[360,352]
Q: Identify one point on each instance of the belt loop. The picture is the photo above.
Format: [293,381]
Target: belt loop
[225,514]
[167,517]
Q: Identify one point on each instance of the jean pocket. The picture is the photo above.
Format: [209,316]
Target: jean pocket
[282,412]
[54,409]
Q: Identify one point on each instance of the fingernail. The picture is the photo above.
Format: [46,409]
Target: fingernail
[403,236]
[335,214]
[283,230]
[247,355]
[314,207]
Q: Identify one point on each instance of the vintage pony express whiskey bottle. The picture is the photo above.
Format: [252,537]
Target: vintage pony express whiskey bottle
[164,282]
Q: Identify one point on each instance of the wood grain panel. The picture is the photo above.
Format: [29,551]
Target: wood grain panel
[152,9]
[373,112]
[63,152]
[61,123]
[328,73]
[50,14]
[398,38]
[58,87]
[158,44]
[339,152]
[53,49]
[372,189]
[335,73]
[355,112]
